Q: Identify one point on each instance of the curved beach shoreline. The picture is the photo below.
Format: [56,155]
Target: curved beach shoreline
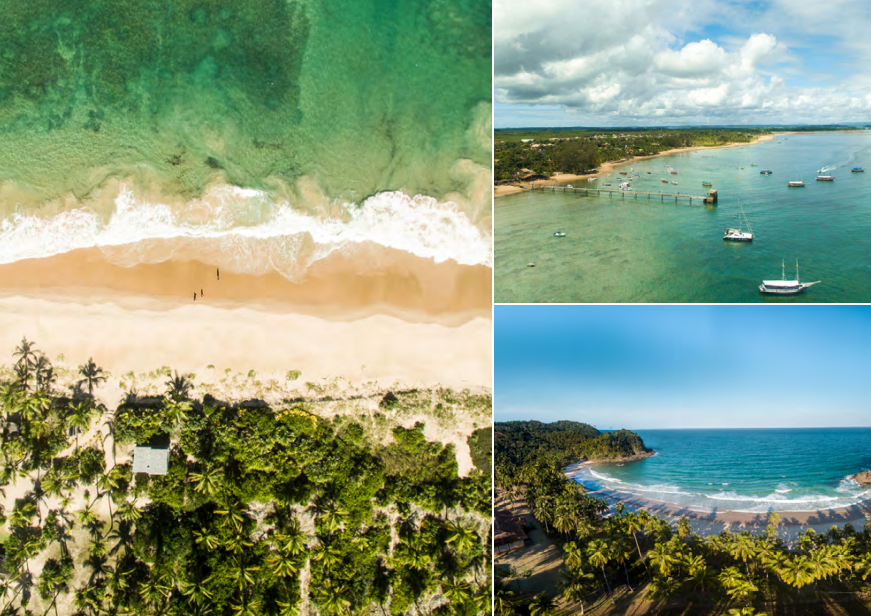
[608,167]
[714,521]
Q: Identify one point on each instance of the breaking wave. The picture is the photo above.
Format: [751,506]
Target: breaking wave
[248,232]
[846,494]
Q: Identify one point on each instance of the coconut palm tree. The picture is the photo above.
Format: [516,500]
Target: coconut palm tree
[702,578]
[237,543]
[44,375]
[797,571]
[291,539]
[80,417]
[634,525]
[129,512]
[663,587]
[154,590]
[463,537]
[92,376]
[599,554]
[541,605]
[743,549]
[331,597]
[504,600]
[282,563]
[209,482]
[26,354]
[179,387]
[204,537]
[575,586]
[234,514]
[661,557]
[196,590]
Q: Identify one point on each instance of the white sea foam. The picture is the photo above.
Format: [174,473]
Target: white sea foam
[245,220]
[786,496]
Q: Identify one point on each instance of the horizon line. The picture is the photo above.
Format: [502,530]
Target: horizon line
[495,421]
[641,126]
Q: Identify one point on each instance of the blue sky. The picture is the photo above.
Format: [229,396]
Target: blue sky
[673,62]
[640,367]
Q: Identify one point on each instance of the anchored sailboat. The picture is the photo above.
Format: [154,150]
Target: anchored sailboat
[784,286]
[736,235]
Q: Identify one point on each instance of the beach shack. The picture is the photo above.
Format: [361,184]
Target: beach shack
[151,459]
[509,533]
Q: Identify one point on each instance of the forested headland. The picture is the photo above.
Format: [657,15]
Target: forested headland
[521,444]
[309,506]
[618,561]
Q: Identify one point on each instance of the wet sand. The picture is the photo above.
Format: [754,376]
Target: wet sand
[391,283]
[715,521]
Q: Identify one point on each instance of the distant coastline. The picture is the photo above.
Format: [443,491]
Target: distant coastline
[608,167]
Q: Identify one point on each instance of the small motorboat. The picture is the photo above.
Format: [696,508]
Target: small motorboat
[706,184]
[530,265]
[559,234]
[674,183]
[857,170]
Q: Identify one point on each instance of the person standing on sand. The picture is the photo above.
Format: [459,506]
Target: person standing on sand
[195,296]
[219,273]
[201,293]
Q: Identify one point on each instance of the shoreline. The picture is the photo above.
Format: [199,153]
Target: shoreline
[713,522]
[411,289]
[379,319]
[609,166]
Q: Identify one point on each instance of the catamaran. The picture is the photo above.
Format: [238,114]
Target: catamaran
[784,286]
[736,235]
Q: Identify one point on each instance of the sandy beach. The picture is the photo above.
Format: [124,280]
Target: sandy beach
[608,167]
[412,322]
[388,282]
[714,521]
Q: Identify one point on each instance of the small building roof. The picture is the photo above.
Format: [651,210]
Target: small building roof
[509,528]
[150,460]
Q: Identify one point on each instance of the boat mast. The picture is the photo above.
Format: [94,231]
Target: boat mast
[782,269]
[796,271]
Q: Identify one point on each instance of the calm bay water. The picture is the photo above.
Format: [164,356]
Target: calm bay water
[745,470]
[627,250]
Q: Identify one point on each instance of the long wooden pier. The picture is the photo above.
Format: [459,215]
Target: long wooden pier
[709,199]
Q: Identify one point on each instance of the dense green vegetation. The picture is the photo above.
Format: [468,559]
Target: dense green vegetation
[263,510]
[522,443]
[643,554]
[576,150]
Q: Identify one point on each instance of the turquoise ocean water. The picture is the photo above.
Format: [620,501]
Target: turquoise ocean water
[745,470]
[627,250]
[272,132]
